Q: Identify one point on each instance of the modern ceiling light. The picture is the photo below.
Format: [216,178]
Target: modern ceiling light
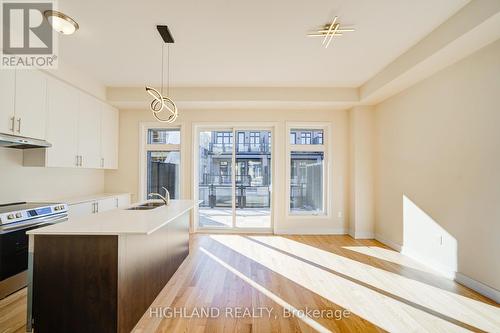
[61,22]
[161,102]
[330,30]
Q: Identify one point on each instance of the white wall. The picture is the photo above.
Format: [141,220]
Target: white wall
[18,183]
[361,203]
[126,179]
[438,144]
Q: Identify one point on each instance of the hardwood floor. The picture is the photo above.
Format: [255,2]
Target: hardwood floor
[354,286]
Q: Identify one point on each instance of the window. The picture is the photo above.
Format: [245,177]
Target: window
[162,158]
[307,156]
[306,181]
[224,137]
[168,136]
[306,137]
[163,171]
[254,137]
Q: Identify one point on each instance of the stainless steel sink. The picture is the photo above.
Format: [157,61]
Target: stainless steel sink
[147,206]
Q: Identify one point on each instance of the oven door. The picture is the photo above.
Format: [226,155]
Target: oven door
[14,251]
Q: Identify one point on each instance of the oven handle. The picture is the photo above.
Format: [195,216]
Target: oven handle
[42,221]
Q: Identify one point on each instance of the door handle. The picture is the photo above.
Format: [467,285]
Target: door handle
[18,125]
[13,121]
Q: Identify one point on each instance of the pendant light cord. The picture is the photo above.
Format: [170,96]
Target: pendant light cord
[168,68]
[162,72]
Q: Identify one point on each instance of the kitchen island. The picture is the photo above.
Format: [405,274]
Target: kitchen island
[100,273]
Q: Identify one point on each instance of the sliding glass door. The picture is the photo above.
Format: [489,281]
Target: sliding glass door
[234,178]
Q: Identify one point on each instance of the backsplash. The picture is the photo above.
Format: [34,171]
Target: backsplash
[19,183]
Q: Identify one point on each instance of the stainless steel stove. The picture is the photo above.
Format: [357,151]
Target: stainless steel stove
[15,219]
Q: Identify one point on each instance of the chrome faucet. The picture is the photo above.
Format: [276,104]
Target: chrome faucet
[150,195]
[167,193]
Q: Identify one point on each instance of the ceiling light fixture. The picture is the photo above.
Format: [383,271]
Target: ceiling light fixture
[61,22]
[161,102]
[330,30]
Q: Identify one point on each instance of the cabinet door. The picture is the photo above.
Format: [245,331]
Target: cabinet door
[123,200]
[31,96]
[109,137]
[107,204]
[81,209]
[7,89]
[89,131]
[62,124]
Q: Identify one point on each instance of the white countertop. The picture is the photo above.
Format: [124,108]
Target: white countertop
[119,221]
[85,198]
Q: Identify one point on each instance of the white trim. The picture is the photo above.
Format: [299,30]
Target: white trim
[308,231]
[389,243]
[480,287]
[362,234]
[429,262]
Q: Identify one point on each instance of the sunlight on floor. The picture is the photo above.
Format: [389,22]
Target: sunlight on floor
[390,255]
[306,319]
[352,287]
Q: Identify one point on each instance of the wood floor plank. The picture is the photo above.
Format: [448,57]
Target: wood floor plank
[384,289]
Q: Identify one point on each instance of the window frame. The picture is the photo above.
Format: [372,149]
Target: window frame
[145,147]
[325,149]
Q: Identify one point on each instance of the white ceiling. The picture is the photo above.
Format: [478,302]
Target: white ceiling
[244,43]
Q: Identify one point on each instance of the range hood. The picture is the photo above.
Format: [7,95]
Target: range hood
[19,142]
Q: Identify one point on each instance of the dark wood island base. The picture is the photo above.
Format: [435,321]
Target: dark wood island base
[103,283]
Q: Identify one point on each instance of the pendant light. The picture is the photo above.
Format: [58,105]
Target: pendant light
[160,102]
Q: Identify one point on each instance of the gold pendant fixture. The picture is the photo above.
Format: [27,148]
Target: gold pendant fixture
[330,30]
[160,102]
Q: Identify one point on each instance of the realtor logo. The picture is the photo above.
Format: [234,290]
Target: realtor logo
[27,36]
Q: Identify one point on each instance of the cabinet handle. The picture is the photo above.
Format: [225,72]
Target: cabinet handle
[18,125]
[13,121]
[76,160]
[97,207]
[81,160]
[102,162]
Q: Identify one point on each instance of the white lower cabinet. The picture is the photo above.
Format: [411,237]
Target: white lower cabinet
[106,204]
[81,209]
[99,205]
[123,200]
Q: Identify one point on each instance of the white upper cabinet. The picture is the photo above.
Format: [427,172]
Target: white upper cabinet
[30,103]
[62,124]
[89,131]
[7,89]
[83,130]
[109,137]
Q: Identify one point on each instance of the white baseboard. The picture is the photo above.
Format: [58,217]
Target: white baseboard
[315,231]
[429,262]
[389,243]
[481,288]
[363,235]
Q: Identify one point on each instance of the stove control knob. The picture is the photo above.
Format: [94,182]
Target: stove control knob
[18,215]
[10,216]
[56,208]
